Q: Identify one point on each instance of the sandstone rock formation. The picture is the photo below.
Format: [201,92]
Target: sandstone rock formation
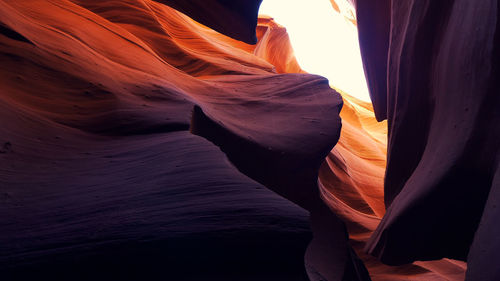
[137,143]
[102,177]
[432,72]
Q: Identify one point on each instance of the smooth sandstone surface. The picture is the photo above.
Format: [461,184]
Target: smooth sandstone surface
[432,69]
[103,169]
[137,143]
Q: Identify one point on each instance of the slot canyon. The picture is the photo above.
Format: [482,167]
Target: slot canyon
[183,140]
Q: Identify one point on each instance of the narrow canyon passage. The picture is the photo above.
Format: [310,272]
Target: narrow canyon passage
[352,177]
[196,140]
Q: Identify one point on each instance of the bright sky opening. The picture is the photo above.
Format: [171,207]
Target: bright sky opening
[324,42]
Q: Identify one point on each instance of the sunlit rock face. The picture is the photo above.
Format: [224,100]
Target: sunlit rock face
[432,72]
[345,8]
[114,115]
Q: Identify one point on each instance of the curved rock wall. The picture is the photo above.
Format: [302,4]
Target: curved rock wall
[432,72]
[114,114]
[103,172]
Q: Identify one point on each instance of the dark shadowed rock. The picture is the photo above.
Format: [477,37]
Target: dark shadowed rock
[442,112]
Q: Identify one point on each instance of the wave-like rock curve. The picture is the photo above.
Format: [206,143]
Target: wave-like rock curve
[102,177]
